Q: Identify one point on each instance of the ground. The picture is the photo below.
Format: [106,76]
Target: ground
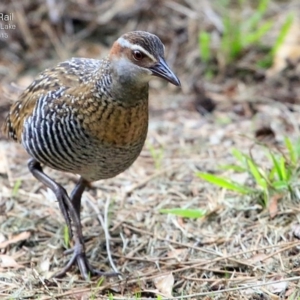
[240,249]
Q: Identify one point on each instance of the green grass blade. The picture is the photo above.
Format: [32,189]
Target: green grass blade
[283,169]
[223,183]
[261,10]
[184,212]
[272,174]
[235,168]
[240,157]
[231,45]
[283,33]
[260,180]
[289,174]
[280,185]
[16,187]
[100,281]
[204,46]
[256,36]
[263,6]
[292,153]
[253,21]
[111,296]
[157,155]
[277,167]
[66,236]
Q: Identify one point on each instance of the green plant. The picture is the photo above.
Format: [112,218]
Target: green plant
[138,295]
[283,32]
[238,33]
[184,212]
[157,155]
[96,290]
[16,187]
[205,52]
[266,62]
[66,237]
[204,46]
[276,179]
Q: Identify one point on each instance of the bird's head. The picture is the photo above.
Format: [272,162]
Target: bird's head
[139,55]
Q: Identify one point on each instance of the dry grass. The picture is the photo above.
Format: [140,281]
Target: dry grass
[237,251]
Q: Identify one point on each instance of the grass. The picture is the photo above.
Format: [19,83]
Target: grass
[16,187]
[204,46]
[267,61]
[279,177]
[157,154]
[66,237]
[184,212]
[96,290]
[239,35]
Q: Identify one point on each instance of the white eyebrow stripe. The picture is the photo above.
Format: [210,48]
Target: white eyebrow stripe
[126,44]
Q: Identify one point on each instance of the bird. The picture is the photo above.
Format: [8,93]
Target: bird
[88,117]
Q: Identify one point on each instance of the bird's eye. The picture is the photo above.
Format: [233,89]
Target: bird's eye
[138,55]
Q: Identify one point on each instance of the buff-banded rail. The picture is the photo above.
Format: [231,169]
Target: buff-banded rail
[88,117]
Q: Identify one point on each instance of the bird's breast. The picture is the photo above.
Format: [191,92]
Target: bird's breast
[117,125]
[117,136]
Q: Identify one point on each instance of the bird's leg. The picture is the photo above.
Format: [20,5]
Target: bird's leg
[61,195]
[77,193]
[71,212]
[78,250]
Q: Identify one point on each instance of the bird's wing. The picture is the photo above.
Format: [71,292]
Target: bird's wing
[70,75]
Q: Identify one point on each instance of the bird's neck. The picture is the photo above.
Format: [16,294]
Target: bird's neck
[125,86]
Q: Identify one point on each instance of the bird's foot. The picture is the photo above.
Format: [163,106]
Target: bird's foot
[86,270]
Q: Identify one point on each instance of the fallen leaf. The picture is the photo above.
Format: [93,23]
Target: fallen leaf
[296,231]
[45,266]
[164,284]
[3,161]
[273,206]
[9,262]
[178,254]
[277,287]
[2,238]
[256,259]
[290,291]
[17,238]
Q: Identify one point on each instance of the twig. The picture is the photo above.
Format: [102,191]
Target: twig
[104,225]
[277,252]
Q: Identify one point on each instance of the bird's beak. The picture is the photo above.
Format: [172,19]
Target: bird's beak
[162,70]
